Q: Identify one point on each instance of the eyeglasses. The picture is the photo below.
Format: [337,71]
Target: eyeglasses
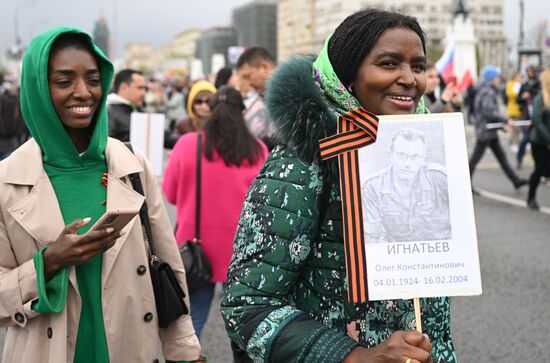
[404,156]
[199,101]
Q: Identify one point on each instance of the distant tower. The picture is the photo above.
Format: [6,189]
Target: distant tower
[101,34]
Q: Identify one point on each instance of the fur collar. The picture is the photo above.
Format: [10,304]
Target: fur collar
[295,105]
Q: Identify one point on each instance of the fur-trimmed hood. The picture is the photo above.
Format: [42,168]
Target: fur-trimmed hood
[295,105]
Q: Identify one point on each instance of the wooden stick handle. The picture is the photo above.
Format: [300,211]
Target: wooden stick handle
[417,314]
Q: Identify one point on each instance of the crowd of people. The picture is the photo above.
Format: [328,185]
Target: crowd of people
[245,149]
[496,105]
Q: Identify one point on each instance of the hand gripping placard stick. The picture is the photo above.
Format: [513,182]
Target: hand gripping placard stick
[417,315]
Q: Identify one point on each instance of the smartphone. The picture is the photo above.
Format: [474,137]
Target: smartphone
[117,219]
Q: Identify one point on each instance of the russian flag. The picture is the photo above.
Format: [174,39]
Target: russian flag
[466,81]
[445,64]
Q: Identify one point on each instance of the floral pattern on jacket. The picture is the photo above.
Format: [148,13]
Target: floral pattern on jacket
[283,275]
[285,299]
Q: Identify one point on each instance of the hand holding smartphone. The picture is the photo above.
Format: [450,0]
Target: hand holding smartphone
[72,249]
[116,219]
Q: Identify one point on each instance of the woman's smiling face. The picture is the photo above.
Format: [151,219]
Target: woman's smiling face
[391,79]
[75,86]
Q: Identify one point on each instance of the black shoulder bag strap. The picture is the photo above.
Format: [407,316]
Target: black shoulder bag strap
[144,211]
[198,190]
[169,296]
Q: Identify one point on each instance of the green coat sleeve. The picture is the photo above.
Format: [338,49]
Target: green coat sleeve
[52,294]
[273,241]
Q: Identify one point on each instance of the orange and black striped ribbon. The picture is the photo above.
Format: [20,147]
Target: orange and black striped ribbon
[356,128]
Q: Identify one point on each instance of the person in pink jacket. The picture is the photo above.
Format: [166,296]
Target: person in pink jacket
[231,159]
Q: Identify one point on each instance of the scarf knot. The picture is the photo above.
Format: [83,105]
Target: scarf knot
[363,128]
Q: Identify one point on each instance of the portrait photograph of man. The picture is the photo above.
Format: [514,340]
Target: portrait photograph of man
[405,193]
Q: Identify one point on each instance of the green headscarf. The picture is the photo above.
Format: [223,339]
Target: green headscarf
[332,89]
[77,182]
[76,179]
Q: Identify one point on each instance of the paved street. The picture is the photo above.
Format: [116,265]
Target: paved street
[509,322]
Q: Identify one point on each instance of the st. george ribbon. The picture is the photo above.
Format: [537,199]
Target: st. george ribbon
[356,128]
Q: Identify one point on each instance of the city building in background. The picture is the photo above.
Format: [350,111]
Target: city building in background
[137,55]
[256,25]
[294,28]
[170,60]
[214,41]
[434,16]
[101,35]
[328,14]
[289,27]
[159,60]
[488,19]
[184,46]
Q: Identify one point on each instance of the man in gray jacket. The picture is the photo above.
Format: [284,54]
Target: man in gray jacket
[487,113]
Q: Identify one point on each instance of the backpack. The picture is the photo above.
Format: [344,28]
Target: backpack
[469,98]
[11,121]
[469,102]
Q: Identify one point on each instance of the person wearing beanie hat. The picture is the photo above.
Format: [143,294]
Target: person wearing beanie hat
[487,111]
[489,73]
[70,293]
[198,107]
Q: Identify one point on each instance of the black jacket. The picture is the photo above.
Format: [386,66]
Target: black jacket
[12,126]
[119,120]
[533,88]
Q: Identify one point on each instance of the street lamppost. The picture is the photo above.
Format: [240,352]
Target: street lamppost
[16,52]
[36,24]
[521,32]
[18,7]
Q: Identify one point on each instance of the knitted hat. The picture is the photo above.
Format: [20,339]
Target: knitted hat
[490,73]
[195,90]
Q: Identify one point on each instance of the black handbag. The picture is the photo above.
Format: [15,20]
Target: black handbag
[169,296]
[197,266]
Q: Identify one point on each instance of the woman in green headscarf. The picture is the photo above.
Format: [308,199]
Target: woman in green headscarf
[286,297]
[68,294]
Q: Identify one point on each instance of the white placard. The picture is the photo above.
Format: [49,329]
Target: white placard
[147,134]
[418,215]
[196,70]
[218,62]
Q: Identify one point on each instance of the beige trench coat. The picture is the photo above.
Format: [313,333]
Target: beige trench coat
[30,218]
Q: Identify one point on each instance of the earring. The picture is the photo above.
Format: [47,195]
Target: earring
[350,89]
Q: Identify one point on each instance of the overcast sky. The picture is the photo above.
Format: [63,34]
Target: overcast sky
[157,21]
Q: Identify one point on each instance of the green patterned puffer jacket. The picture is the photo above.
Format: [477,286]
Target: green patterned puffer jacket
[285,297]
